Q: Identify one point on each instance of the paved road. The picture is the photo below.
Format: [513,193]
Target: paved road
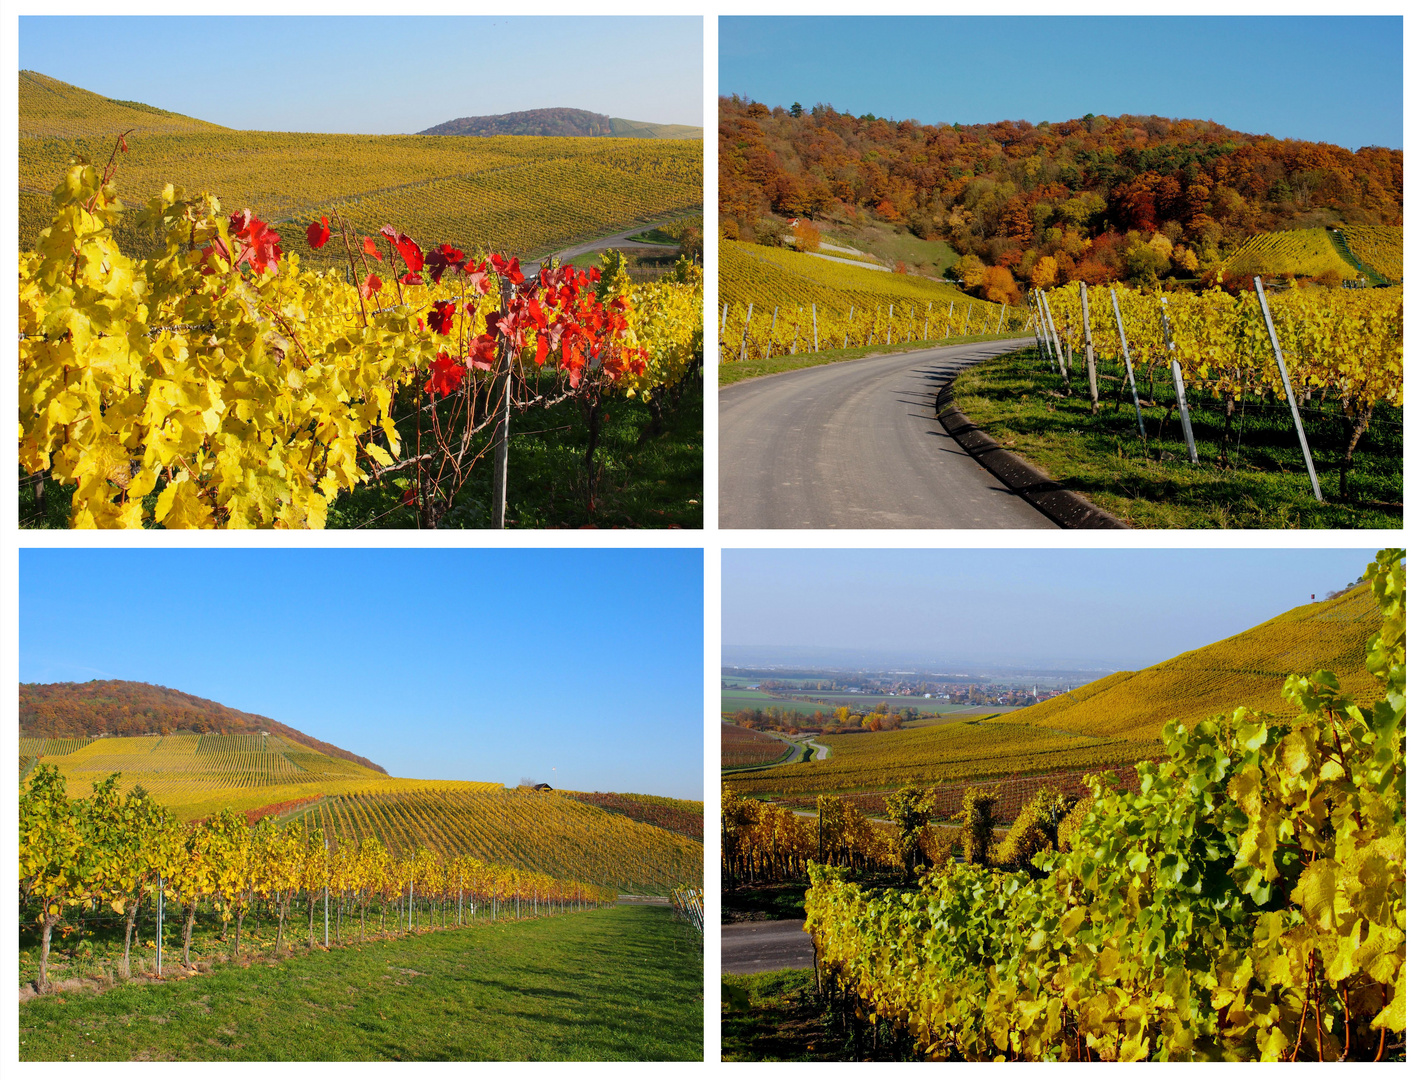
[618,240]
[749,948]
[857,445]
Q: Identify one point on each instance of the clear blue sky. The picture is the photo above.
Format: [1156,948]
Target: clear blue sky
[1335,80]
[1019,607]
[375,76]
[461,664]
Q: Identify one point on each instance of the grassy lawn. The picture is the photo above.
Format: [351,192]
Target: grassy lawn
[645,480]
[621,983]
[1257,481]
[754,366]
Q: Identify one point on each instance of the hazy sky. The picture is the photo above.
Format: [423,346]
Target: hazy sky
[1019,607]
[438,664]
[1335,80]
[375,76]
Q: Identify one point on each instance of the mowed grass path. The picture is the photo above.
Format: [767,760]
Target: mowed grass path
[621,983]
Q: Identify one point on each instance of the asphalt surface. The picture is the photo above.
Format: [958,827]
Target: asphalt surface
[753,947]
[617,240]
[857,445]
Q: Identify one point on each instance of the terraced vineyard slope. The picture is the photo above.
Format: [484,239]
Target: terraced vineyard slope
[203,758]
[1301,252]
[943,753]
[1246,669]
[1379,246]
[542,831]
[523,196]
[1111,722]
[765,276]
[107,707]
[741,747]
[53,109]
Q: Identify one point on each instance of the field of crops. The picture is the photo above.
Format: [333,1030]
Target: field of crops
[798,303]
[745,746]
[1302,252]
[941,753]
[522,196]
[1247,669]
[546,832]
[1380,246]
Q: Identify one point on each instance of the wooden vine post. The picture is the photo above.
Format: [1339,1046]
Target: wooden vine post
[746,331]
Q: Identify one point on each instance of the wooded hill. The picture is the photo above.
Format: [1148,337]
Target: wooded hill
[1093,192]
[119,707]
[561,122]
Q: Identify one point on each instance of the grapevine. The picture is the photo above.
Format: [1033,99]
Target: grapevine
[247,391]
[1248,903]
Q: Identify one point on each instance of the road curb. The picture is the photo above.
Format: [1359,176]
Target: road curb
[1066,508]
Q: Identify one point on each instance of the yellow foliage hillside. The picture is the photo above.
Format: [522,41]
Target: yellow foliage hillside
[55,109]
[1246,669]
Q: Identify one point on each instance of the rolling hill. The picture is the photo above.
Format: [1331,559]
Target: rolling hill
[53,109]
[116,707]
[527,197]
[199,757]
[1246,669]
[561,122]
[1111,722]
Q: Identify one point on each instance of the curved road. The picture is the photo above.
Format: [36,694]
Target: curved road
[858,445]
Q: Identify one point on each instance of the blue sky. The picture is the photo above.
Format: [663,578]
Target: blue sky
[1335,80]
[437,664]
[375,76]
[1120,609]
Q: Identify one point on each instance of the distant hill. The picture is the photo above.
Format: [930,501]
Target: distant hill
[1247,669]
[562,122]
[55,109]
[109,707]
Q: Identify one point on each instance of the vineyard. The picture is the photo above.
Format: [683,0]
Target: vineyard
[940,753]
[763,842]
[1245,669]
[745,746]
[218,383]
[1301,252]
[777,302]
[1380,246]
[1217,411]
[1010,795]
[678,815]
[1246,902]
[526,196]
[540,832]
[130,855]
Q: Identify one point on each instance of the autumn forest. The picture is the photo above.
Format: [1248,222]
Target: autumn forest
[1097,199]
